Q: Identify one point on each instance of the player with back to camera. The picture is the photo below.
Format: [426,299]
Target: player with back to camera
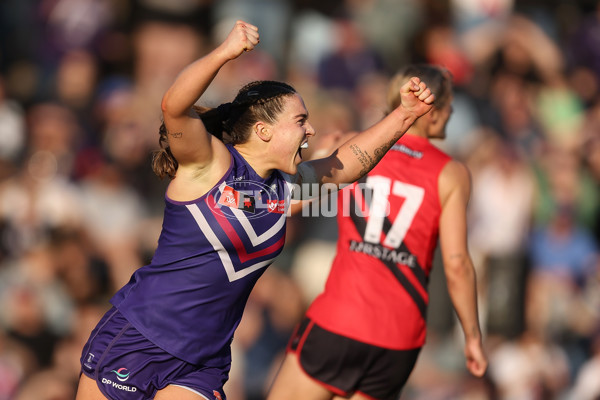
[232,171]
[361,336]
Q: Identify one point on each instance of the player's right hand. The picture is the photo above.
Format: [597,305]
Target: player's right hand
[243,37]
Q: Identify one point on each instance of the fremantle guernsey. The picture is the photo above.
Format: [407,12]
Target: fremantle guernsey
[388,224]
[211,251]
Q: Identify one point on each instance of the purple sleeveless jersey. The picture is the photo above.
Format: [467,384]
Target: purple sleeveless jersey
[189,300]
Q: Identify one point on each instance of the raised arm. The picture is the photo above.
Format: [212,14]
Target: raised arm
[362,152]
[189,141]
[455,190]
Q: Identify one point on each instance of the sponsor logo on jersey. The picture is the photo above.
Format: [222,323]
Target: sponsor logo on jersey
[408,151]
[383,253]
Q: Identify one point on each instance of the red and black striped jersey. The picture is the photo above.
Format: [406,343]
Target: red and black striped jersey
[388,226]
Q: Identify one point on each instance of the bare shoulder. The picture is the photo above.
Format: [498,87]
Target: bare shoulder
[456,170]
[455,177]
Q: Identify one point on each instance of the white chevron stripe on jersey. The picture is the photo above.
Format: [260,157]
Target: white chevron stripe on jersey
[232,274]
[258,239]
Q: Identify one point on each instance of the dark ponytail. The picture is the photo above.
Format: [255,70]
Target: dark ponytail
[214,119]
[163,162]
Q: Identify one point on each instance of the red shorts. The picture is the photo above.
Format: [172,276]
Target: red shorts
[345,366]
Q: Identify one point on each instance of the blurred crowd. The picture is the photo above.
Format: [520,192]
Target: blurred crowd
[80,209]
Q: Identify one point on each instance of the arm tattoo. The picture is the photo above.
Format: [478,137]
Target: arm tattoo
[365,159]
[381,150]
[176,134]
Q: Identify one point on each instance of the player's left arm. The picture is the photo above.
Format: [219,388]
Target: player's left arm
[455,190]
[356,156]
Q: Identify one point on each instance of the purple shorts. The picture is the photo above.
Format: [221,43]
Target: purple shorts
[126,365]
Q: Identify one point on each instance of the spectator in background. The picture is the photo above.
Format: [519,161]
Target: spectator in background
[54,133]
[36,309]
[12,130]
[564,256]
[161,48]
[36,200]
[273,16]
[500,219]
[586,385]
[351,59]
[583,53]
[591,157]
[529,367]
[562,179]
[48,384]
[563,249]
[76,79]
[113,214]
[17,364]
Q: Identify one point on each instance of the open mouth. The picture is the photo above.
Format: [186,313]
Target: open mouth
[302,146]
